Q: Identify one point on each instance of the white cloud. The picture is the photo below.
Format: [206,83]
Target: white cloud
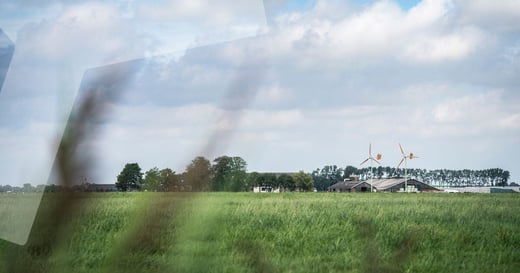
[88,34]
[273,95]
[485,114]
[203,11]
[501,16]
[272,120]
[178,24]
[448,47]
[511,121]
[427,13]
[474,108]
[342,75]
[424,34]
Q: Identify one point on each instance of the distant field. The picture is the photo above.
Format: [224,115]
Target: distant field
[290,232]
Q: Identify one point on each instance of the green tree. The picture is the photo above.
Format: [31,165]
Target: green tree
[252,179]
[270,179]
[130,178]
[198,174]
[321,182]
[169,180]
[287,182]
[349,171]
[152,180]
[229,174]
[327,176]
[303,181]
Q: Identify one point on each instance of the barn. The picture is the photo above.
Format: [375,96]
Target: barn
[398,185]
[101,187]
[350,186]
[266,189]
[382,185]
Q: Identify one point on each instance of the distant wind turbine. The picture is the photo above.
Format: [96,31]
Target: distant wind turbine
[405,160]
[371,159]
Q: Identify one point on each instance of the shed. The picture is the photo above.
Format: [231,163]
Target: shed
[350,186]
[398,185]
[101,187]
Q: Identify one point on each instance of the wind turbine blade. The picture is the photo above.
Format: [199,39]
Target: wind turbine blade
[375,160]
[401,147]
[364,161]
[370,149]
[402,160]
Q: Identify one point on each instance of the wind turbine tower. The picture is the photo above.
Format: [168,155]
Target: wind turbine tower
[371,159]
[405,160]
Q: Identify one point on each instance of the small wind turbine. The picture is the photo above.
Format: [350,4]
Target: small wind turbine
[405,160]
[372,159]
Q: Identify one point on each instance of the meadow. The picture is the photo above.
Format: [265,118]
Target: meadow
[288,232]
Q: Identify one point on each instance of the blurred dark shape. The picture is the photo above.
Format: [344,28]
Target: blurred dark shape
[373,259]
[240,95]
[99,87]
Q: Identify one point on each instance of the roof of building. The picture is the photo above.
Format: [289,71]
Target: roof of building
[387,183]
[346,185]
[379,184]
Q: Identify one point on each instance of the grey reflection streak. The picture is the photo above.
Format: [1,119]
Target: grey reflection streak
[6,54]
[241,93]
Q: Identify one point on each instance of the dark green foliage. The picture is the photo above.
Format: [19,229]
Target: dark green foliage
[130,178]
[266,179]
[152,180]
[327,176]
[229,174]
[303,181]
[287,182]
[198,174]
[169,180]
[349,171]
[330,174]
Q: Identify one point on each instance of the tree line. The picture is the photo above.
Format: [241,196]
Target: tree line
[225,173]
[331,174]
[229,173]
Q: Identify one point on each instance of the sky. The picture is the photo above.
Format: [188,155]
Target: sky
[287,85]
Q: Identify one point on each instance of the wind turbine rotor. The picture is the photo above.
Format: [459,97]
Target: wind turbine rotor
[365,161]
[401,147]
[402,160]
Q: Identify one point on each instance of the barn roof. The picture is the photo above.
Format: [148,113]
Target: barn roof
[379,184]
[347,185]
[387,183]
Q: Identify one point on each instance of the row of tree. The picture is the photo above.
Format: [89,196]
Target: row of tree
[27,187]
[225,174]
[331,174]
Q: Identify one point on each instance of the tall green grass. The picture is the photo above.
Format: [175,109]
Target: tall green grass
[290,232]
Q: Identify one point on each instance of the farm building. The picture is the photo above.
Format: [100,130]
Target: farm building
[268,182]
[382,185]
[265,189]
[484,189]
[101,187]
[398,184]
[350,186]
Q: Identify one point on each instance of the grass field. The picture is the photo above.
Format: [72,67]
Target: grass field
[291,232]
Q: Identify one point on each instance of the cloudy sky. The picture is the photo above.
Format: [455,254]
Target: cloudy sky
[287,85]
